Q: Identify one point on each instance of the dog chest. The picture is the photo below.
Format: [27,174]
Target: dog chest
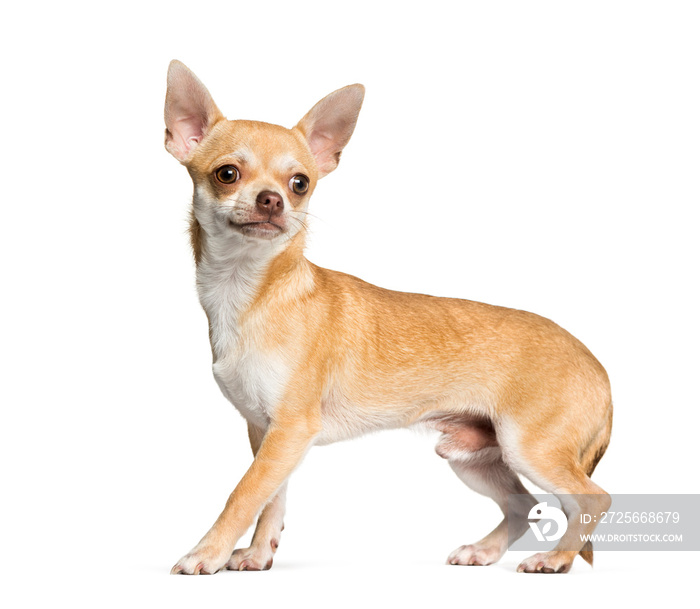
[251,379]
[253,382]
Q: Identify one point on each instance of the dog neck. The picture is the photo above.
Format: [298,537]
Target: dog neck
[236,275]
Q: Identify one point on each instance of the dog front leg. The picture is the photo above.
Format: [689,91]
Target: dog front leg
[266,539]
[281,450]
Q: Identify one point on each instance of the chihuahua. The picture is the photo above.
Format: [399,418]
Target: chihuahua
[311,356]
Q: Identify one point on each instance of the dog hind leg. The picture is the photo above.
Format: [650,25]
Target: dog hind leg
[475,456]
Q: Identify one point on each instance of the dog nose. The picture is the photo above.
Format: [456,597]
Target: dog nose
[270,202]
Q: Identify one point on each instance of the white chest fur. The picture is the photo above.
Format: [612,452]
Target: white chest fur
[252,380]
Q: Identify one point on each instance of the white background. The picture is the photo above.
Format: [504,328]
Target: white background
[540,155]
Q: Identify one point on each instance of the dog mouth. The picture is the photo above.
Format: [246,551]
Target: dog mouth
[265,228]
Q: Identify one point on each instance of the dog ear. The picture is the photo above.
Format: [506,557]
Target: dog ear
[328,126]
[190,111]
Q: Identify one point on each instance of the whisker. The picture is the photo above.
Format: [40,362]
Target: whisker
[307,213]
[300,221]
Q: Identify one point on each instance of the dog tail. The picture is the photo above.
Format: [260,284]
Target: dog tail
[597,448]
[595,453]
[586,552]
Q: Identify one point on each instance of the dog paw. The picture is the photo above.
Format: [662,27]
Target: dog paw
[475,555]
[255,558]
[547,562]
[203,560]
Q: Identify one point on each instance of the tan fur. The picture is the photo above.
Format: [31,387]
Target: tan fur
[361,357]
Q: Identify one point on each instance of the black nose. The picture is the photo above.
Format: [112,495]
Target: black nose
[270,202]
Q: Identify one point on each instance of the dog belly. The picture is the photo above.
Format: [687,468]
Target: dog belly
[348,416]
[343,420]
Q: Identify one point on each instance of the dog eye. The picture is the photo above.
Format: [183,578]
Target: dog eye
[227,174]
[299,184]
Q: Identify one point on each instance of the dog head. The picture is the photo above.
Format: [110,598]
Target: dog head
[253,180]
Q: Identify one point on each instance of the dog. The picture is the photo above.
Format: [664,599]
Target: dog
[311,356]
